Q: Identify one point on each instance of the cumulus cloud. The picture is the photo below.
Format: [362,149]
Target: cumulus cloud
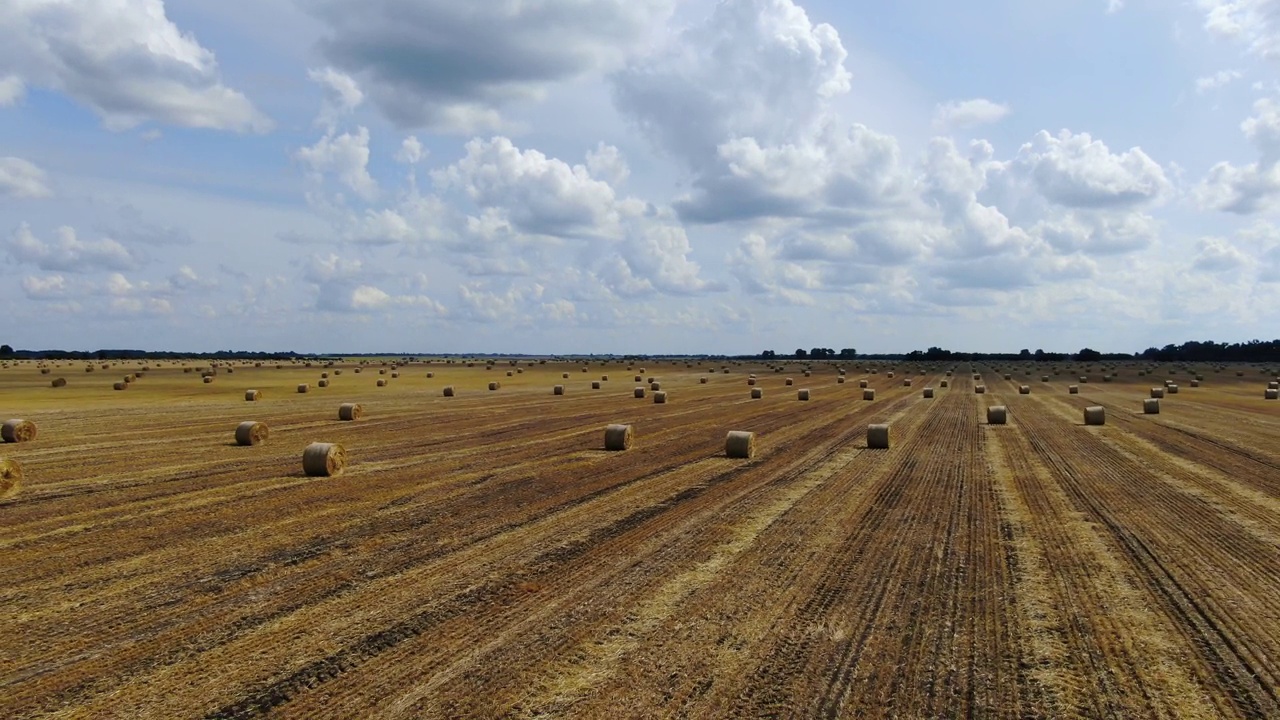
[1251,188]
[50,287]
[969,113]
[68,253]
[342,95]
[450,65]
[345,156]
[1216,255]
[1219,79]
[125,60]
[22,179]
[11,90]
[1075,170]
[1254,24]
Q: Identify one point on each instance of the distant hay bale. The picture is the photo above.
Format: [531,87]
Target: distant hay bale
[251,433]
[16,431]
[595,384]
[495,385]
[878,436]
[840,380]
[740,444]
[757,393]
[654,385]
[1273,385]
[324,374]
[944,384]
[868,394]
[1151,406]
[350,412]
[323,459]
[1271,394]
[1095,415]
[1007,376]
[1083,379]
[1157,392]
[10,478]
[702,380]
[790,381]
[861,383]
[906,382]
[1172,389]
[928,393]
[659,398]
[889,375]
[448,391]
[252,395]
[119,386]
[751,381]
[382,382]
[207,379]
[510,373]
[604,378]
[638,378]
[59,382]
[557,390]
[618,437]
[1195,383]
[45,371]
[1024,389]
[325,383]
[997,415]
[356,370]
[980,389]
[639,392]
[1044,378]
[1073,389]
[430,375]
[186,369]
[802,394]
[808,373]
[651,380]
[302,388]
[383,371]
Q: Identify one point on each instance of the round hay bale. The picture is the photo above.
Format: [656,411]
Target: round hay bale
[1007,376]
[1271,394]
[356,370]
[659,398]
[1095,415]
[58,382]
[1073,389]
[383,371]
[604,378]
[1151,406]
[618,437]
[944,384]
[740,444]
[119,386]
[906,383]
[928,393]
[869,394]
[323,459]
[430,375]
[324,374]
[1273,385]
[208,379]
[448,391]
[639,392]
[350,411]
[702,380]
[16,431]
[1195,383]
[1172,389]
[336,373]
[10,478]
[790,381]
[565,376]
[325,383]
[252,395]
[45,371]
[751,381]
[303,387]
[1024,389]
[382,382]
[557,390]
[997,415]
[251,433]
[802,394]
[1044,378]
[757,393]
[510,373]
[980,389]
[654,385]
[595,384]
[878,436]
[1157,392]
[495,385]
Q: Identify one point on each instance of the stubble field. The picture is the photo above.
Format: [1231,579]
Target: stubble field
[484,556]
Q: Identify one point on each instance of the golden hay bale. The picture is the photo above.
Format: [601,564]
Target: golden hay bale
[15,431]
[186,369]
[324,374]
[304,388]
[790,381]
[642,371]
[618,437]
[1157,392]
[323,459]
[10,478]
[595,384]
[430,375]
[208,379]
[251,433]
[639,392]
[45,371]
[509,374]
[252,395]
[928,392]
[751,381]
[740,444]
[869,394]
[980,389]
[1273,385]
[448,391]
[1024,389]
[906,383]
[878,436]
[944,384]
[802,394]
[1095,415]
[1271,394]
[654,385]
[59,382]
[322,383]
[350,411]
[702,380]
[861,383]
[997,415]
[1151,406]
[1044,378]
[382,371]
[382,383]
[1195,383]
[840,379]
[495,385]
[119,386]
[557,390]
[604,378]
[1007,376]
[1073,389]
[659,398]
[757,393]
[638,378]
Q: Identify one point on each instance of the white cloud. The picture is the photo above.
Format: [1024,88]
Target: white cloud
[969,113]
[1219,79]
[1075,170]
[450,65]
[1254,24]
[342,95]
[1217,255]
[22,179]
[68,253]
[1114,6]
[347,157]
[11,90]
[124,59]
[411,151]
[1248,189]
[49,287]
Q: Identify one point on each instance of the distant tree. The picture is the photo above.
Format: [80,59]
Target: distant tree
[768,354]
[1039,354]
[1088,355]
[6,350]
[1024,353]
[848,353]
[801,353]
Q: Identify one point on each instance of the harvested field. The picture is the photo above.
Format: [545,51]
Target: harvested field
[483,555]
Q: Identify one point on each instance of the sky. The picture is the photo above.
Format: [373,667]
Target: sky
[638,176]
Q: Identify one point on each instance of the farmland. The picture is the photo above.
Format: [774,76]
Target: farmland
[483,556]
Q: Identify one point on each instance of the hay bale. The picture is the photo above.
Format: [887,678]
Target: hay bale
[1083,379]
[383,371]
[740,444]
[251,433]
[1007,376]
[557,390]
[640,392]
[336,373]
[1151,406]
[654,385]
[1195,383]
[944,384]
[997,415]
[1157,392]
[878,436]
[595,384]
[16,431]
[1073,389]
[861,383]
[208,379]
[751,380]
[659,398]
[1044,378]
[980,389]
[120,386]
[702,380]
[10,478]
[494,385]
[430,375]
[1273,385]
[757,393]
[323,459]
[618,437]
[1024,389]
[58,382]
[928,393]
[802,394]
[324,374]
[638,378]
[840,380]
[252,395]
[791,381]
[303,387]
[906,383]
[448,391]
[604,378]
[382,383]
[45,371]
[869,394]
[325,383]
[1172,389]
[350,411]
[1095,415]
[1271,394]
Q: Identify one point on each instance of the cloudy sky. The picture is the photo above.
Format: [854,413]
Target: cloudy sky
[638,175]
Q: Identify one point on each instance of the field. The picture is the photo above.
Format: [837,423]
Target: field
[484,556]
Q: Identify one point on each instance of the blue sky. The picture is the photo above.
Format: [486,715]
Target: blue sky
[638,175]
